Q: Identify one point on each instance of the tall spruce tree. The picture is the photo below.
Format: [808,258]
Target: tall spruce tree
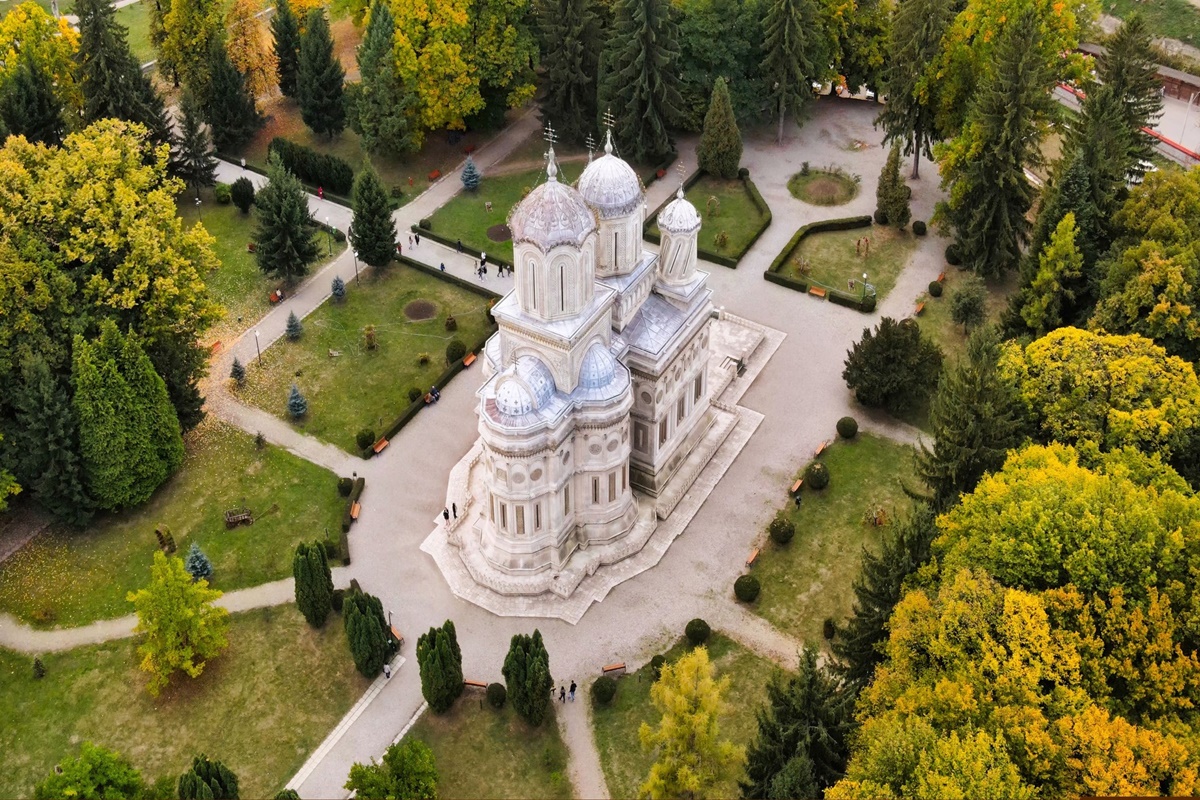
[151,401]
[283,237]
[320,79]
[571,65]
[984,168]
[285,29]
[193,159]
[373,232]
[28,104]
[440,661]
[796,54]
[913,43]
[45,445]
[806,722]
[527,675]
[384,104]
[975,420]
[906,547]
[110,77]
[230,108]
[642,78]
[1129,70]
[720,150]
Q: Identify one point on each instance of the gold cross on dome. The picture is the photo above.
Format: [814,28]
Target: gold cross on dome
[549,135]
[608,118]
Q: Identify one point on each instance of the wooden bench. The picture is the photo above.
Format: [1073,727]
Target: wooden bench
[941,277]
[920,308]
[399,637]
[469,360]
[753,557]
[820,448]
[816,291]
[617,669]
[796,486]
[354,509]
[475,685]
[378,446]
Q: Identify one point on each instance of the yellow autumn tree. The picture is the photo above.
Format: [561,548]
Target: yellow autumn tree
[431,38]
[250,47]
[1106,756]
[52,42]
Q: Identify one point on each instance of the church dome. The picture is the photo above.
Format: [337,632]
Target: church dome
[598,368]
[610,186]
[537,377]
[512,398]
[552,214]
[524,387]
[680,216]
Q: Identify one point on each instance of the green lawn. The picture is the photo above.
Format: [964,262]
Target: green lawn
[136,19]
[70,577]
[482,752]
[365,388]
[811,578]
[261,707]
[626,764]
[821,188]
[830,259]
[64,6]
[465,216]
[1174,19]
[937,323]
[733,214]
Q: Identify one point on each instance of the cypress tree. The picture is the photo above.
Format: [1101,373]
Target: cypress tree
[285,29]
[366,632]
[1129,70]
[975,420]
[891,198]
[197,564]
[283,237]
[110,77]
[642,77]
[796,55]
[440,661]
[102,429]
[230,108]
[313,583]
[295,328]
[373,232]
[720,150]
[383,104]
[527,676]
[571,61]
[1053,288]
[28,104]
[297,406]
[193,160]
[161,425]
[320,79]
[470,176]
[208,780]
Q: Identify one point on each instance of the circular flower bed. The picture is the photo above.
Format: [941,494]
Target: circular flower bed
[420,309]
[821,188]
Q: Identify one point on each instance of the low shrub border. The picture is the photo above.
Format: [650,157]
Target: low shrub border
[708,255]
[310,166]
[348,520]
[428,233]
[773,273]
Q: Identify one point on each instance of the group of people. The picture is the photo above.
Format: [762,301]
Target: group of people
[563,693]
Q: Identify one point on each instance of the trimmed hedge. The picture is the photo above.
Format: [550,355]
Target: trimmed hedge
[708,255]
[847,427]
[325,171]
[347,520]
[497,694]
[697,632]
[604,690]
[836,296]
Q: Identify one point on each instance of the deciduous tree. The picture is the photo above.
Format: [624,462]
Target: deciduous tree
[284,244]
[320,79]
[52,43]
[407,772]
[433,54]
[249,52]
[373,232]
[720,150]
[95,772]
[192,28]
[527,676]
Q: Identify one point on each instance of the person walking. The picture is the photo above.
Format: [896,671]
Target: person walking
[562,695]
[454,509]
[446,514]
[387,671]
[410,244]
[573,687]
[442,266]
[418,238]
[458,245]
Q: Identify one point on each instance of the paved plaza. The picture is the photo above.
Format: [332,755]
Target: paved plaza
[794,398]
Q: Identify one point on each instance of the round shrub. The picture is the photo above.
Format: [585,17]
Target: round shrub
[816,476]
[919,227]
[868,303]
[656,665]
[425,225]
[455,350]
[497,694]
[223,193]
[346,484]
[339,596]
[414,394]
[847,427]
[746,588]
[953,256]
[935,289]
[451,324]
[828,629]
[743,172]
[241,192]
[364,438]
[604,690]
[880,217]
[781,530]
[697,632]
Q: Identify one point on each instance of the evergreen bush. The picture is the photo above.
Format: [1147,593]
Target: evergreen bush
[415,393]
[781,530]
[367,632]
[697,632]
[440,661]
[207,780]
[953,256]
[242,194]
[455,351]
[451,323]
[746,588]
[337,288]
[471,176]
[496,695]
[39,669]
[656,664]
[743,173]
[295,328]
[316,169]
[604,690]
[197,563]
[919,227]
[344,486]
[880,217]
[296,404]
[935,288]
[816,476]
[237,372]
[222,194]
[364,438]
[313,582]
[720,147]
[526,672]
[968,305]
[847,427]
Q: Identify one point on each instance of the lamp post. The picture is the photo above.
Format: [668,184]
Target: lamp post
[864,288]
[353,250]
[329,233]
[199,213]
[257,347]
[355,254]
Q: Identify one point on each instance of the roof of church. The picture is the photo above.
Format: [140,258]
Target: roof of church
[680,216]
[552,214]
[610,185]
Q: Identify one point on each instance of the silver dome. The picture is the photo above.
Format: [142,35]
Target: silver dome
[610,186]
[598,368]
[552,214]
[537,377]
[513,398]
[680,216]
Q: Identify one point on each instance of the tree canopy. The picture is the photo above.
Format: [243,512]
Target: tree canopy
[406,772]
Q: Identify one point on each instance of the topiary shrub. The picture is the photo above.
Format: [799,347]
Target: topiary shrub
[828,629]
[338,597]
[364,439]
[746,588]
[242,194]
[781,530]
[222,194]
[953,256]
[451,324]
[346,484]
[414,394]
[697,632]
[497,694]
[604,690]
[816,476]
[455,351]
[743,172]
[880,217]
[919,227]
[935,289]
[656,665]
[847,427]
[425,225]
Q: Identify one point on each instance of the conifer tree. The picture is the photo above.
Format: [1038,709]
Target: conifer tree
[470,176]
[384,104]
[1060,271]
[1129,70]
[373,232]
[913,43]
[295,328]
[892,194]
[975,420]
[527,676]
[231,111]
[366,632]
[720,150]
[320,79]
[149,394]
[796,55]
[28,104]
[337,288]
[285,29]
[110,77]
[193,160]
[806,723]
[1101,139]
[313,583]
[284,244]
[296,404]
[642,78]
[571,60]
[237,372]
[241,192]
[440,661]
[197,564]
[208,780]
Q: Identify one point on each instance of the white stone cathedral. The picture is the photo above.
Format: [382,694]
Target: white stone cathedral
[596,383]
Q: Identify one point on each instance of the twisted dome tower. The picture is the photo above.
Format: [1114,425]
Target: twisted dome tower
[679,223]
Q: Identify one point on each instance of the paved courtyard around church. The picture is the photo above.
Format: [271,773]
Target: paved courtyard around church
[797,396]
